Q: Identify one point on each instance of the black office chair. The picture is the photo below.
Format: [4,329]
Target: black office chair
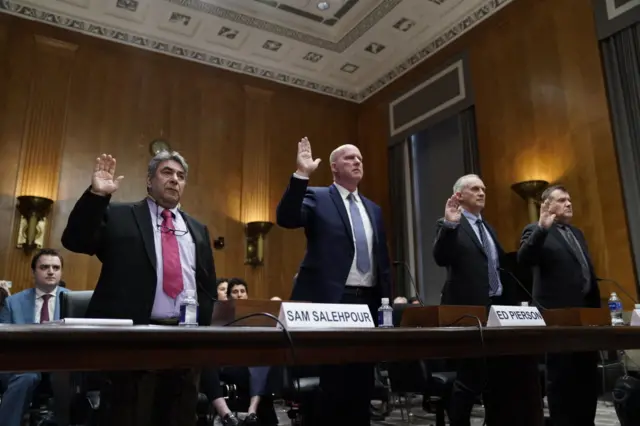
[74,304]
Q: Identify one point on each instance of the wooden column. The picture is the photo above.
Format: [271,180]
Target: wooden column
[255,178]
[46,66]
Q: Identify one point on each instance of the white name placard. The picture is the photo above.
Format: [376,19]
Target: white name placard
[635,318]
[324,316]
[514,316]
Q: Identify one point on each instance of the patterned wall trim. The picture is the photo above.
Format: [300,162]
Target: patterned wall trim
[162,46]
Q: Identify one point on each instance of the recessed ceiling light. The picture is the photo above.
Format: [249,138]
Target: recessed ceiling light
[323,5]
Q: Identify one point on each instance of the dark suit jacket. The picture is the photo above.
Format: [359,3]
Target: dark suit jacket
[460,251]
[557,276]
[330,248]
[121,236]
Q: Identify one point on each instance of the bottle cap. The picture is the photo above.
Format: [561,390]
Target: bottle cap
[613,293]
[385,300]
[524,303]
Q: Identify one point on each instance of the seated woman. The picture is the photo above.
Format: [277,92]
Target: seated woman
[221,288]
[256,377]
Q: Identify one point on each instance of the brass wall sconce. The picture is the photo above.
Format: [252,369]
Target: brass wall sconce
[254,251]
[530,191]
[33,211]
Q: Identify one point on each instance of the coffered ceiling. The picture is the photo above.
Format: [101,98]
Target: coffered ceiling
[344,48]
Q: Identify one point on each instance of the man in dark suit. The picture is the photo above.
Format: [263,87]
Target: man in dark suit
[563,277]
[467,246]
[152,254]
[346,261]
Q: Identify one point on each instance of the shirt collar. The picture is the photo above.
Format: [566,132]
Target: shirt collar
[158,210]
[40,293]
[471,217]
[344,192]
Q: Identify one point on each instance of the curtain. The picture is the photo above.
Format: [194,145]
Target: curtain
[621,61]
[398,198]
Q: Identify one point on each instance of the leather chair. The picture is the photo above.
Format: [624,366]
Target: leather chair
[74,304]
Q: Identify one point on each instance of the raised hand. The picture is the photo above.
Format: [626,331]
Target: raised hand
[546,217]
[104,181]
[452,210]
[305,161]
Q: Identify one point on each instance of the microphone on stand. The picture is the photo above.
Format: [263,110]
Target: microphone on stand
[413,283]
[522,286]
[617,284]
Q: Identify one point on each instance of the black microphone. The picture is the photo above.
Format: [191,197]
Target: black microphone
[413,283]
[617,284]
[512,275]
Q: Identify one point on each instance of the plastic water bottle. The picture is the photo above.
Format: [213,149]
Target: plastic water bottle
[385,314]
[189,310]
[615,308]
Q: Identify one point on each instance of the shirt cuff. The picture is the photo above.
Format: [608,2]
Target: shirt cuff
[297,176]
[451,225]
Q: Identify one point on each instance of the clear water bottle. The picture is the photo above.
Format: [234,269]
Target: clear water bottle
[385,314]
[615,308]
[189,310]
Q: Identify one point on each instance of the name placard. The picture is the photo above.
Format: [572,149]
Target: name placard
[324,316]
[514,316]
[635,318]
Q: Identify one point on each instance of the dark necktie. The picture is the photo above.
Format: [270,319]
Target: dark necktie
[44,311]
[362,248]
[172,283]
[571,239]
[494,279]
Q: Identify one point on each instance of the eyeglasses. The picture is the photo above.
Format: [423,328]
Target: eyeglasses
[165,229]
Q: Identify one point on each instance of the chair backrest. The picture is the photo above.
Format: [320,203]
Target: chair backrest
[73,304]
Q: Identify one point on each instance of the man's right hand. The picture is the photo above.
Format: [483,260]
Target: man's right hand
[546,217]
[452,210]
[103,181]
[305,161]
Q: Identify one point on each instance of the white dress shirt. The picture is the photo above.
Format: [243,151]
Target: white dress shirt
[40,301]
[355,277]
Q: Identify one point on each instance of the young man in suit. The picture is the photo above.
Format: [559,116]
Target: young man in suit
[35,305]
[152,253]
[563,277]
[467,246]
[346,261]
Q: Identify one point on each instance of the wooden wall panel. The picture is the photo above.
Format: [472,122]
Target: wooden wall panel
[237,133]
[541,113]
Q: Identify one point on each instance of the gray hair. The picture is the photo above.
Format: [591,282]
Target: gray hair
[463,182]
[338,151]
[165,156]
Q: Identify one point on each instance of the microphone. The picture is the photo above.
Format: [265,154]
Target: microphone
[514,278]
[617,284]
[413,283]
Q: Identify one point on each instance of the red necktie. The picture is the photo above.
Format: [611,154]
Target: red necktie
[171,267]
[44,311]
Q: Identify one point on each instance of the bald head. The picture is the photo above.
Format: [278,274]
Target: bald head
[346,166]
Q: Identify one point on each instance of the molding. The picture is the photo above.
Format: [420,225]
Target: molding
[87,27]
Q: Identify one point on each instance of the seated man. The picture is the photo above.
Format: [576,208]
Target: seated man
[256,377]
[210,386]
[31,306]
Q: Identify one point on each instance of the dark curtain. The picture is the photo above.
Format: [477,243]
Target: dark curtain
[621,60]
[398,199]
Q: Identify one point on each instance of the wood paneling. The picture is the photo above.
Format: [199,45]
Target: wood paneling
[541,113]
[238,134]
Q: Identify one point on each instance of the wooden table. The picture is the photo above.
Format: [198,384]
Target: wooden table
[83,348]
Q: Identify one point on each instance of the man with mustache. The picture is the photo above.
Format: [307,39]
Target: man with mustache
[152,253]
[563,277]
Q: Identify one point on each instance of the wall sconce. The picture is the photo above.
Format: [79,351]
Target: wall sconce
[254,251]
[530,191]
[33,211]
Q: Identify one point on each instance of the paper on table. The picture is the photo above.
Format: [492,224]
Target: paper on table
[96,321]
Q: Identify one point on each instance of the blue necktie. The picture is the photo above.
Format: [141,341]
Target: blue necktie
[362,249]
[494,279]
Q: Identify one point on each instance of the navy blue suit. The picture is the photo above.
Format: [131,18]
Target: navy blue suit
[330,248]
[345,390]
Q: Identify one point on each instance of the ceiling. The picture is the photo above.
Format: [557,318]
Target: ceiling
[350,50]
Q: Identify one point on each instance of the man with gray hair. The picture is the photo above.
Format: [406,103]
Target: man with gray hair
[467,246]
[152,254]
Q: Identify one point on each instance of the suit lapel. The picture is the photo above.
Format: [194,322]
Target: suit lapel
[29,306]
[56,312]
[342,211]
[145,224]
[492,234]
[464,222]
[558,235]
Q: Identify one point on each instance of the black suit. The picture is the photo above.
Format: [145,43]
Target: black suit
[461,252]
[121,236]
[559,282]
